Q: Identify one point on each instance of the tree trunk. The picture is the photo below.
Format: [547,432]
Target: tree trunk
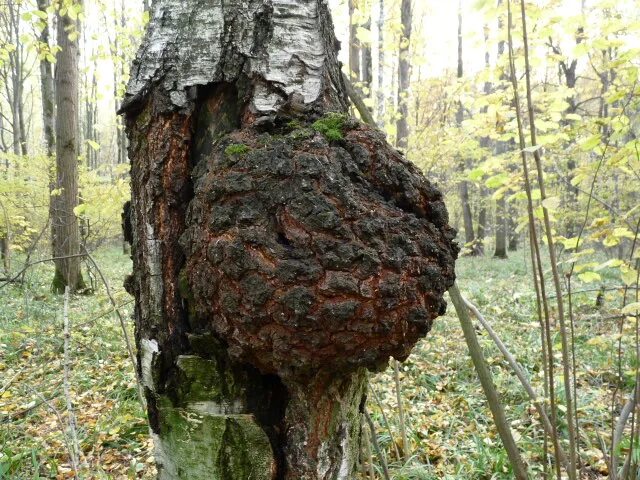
[47,89]
[367,61]
[246,372]
[482,223]
[381,65]
[354,45]
[514,236]
[404,76]
[47,92]
[64,223]
[500,149]
[501,229]
[463,187]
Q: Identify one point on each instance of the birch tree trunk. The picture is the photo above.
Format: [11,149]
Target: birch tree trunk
[254,330]
[64,223]
[404,76]
[211,418]
[381,97]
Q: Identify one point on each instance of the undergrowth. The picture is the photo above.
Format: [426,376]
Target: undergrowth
[449,424]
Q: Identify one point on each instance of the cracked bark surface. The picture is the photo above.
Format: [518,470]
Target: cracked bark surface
[279,252]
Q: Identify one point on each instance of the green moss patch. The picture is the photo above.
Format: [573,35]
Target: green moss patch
[237,149]
[331,126]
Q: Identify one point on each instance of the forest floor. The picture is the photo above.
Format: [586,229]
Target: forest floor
[450,430]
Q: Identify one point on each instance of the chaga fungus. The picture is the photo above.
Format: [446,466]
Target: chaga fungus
[313,253]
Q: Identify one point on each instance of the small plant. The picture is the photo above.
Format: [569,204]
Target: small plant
[331,126]
[237,149]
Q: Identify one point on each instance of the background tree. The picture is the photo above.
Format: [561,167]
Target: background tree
[404,76]
[64,222]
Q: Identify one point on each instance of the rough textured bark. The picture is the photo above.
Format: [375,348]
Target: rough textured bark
[64,223]
[280,249]
[404,76]
[47,92]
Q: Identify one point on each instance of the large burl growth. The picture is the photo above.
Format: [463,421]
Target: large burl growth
[308,255]
[279,249]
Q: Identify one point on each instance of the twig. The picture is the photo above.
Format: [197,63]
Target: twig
[369,463]
[619,430]
[29,265]
[538,272]
[50,406]
[403,426]
[75,447]
[10,382]
[123,325]
[385,419]
[376,446]
[564,335]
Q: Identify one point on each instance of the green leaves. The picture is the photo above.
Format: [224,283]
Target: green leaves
[497,180]
[589,277]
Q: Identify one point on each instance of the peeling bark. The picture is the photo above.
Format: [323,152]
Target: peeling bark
[262,228]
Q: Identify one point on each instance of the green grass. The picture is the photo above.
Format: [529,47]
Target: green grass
[450,428]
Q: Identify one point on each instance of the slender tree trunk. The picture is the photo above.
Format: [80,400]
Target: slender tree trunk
[47,89]
[514,237]
[463,187]
[354,44]
[381,65]
[404,76]
[47,92]
[64,222]
[501,217]
[482,223]
[501,229]
[367,61]
[285,401]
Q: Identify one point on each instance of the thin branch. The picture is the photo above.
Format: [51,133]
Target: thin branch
[376,446]
[123,326]
[484,374]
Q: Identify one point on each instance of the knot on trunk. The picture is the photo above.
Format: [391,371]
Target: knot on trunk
[315,248]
